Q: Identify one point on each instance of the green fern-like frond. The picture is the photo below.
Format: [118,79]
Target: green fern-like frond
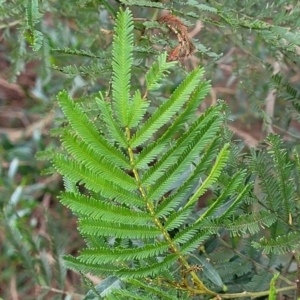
[74,263]
[200,132]
[154,149]
[275,173]
[283,168]
[107,255]
[93,180]
[157,72]
[140,181]
[152,269]
[230,189]
[280,245]
[167,109]
[33,16]
[112,125]
[121,63]
[87,130]
[80,52]
[260,167]
[121,230]
[90,207]
[187,156]
[202,7]
[188,187]
[95,162]
[94,70]
[251,223]
[138,109]
[237,201]
[32,13]
[259,282]
[212,176]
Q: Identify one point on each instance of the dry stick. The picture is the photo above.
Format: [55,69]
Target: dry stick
[286,132]
[140,19]
[61,292]
[227,55]
[213,96]
[196,30]
[16,134]
[10,24]
[13,289]
[249,140]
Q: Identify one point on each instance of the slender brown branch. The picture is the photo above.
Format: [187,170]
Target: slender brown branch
[62,292]
[10,24]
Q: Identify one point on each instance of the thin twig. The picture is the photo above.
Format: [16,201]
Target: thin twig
[13,288]
[287,132]
[286,268]
[270,100]
[50,289]
[11,24]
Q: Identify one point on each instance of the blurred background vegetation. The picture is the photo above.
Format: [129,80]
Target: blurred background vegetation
[251,53]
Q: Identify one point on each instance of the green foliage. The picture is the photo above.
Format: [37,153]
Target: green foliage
[101,161]
[33,16]
[276,180]
[138,157]
[134,199]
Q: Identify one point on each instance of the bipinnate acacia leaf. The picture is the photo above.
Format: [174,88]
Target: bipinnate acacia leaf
[121,65]
[134,183]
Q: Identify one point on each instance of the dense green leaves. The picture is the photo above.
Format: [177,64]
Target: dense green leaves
[168,109]
[107,163]
[140,183]
[105,255]
[159,190]
[88,132]
[158,71]
[96,209]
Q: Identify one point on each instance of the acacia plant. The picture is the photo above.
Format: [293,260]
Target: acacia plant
[134,175]
[250,52]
